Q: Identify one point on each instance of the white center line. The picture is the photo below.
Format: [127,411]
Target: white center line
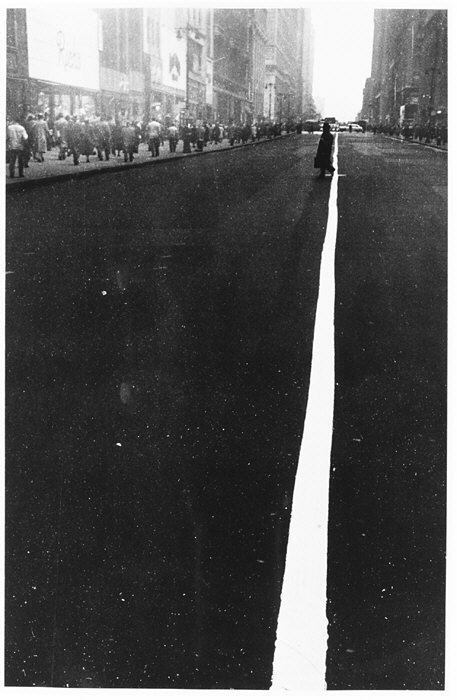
[301,641]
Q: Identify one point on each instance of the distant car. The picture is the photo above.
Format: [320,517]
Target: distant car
[343,127]
[355,127]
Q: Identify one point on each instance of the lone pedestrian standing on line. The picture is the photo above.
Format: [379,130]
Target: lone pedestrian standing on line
[323,158]
[16,140]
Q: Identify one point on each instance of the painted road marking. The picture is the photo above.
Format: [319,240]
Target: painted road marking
[301,641]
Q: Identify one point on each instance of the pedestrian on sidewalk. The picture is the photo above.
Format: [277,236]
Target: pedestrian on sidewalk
[153,134]
[216,133]
[231,133]
[16,139]
[200,134]
[117,142]
[193,135]
[50,141]
[75,138]
[186,135]
[61,129]
[40,136]
[28,149]
[103,138]
[323,158]
[128,141]
[173,137]
[87,140]
[207,135]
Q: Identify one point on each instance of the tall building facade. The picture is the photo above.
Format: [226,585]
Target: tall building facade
[172,63]
[408,81]
[121,68]
[306,106]
[16,62]
[231,64]
[258,41]
[288,68]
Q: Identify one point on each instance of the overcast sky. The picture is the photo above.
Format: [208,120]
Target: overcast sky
[342,58]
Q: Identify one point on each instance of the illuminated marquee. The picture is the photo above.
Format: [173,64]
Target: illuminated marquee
[173,55]
[63,46]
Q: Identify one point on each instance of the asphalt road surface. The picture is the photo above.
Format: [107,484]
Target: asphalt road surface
[159,335]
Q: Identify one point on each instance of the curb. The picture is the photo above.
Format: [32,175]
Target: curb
[25,183]
[416,143]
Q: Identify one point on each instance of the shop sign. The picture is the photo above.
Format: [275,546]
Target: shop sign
[63,46]
[156,70]
[173,55]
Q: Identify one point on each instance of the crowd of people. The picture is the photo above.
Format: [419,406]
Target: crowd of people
[83,137]
[430,133]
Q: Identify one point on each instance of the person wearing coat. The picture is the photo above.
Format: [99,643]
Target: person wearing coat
[153,130]
[200,133]
[128,141]
[40,138]
[102,138]
[231,133]
[207,134]
[216,133]
[186,135]
[117,144]
[16,139]
[28,150]
[61,128]
[88,140]
[173,136]
[323,158]
[75,138]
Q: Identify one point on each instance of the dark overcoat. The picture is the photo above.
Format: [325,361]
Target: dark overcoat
[323,157]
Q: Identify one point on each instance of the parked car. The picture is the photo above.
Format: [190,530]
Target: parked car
[355,127]
[311,125]
[343,127]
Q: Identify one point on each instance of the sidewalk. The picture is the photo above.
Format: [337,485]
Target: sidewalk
[415,142]
[53,169]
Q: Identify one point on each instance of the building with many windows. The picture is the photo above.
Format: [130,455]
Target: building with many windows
[17,84]
[172,63]
[53,60]
[231,63]
[408,82]
[122,80]
[288,73]
[257,42]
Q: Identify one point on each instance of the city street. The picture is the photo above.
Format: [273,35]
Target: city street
[159,335]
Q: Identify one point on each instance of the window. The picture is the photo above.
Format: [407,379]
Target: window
[195,56]
[109,38]
[11,28]
[122,40]
[134,37]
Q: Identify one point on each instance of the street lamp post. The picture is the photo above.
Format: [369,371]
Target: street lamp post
[179,33]
[270,86]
